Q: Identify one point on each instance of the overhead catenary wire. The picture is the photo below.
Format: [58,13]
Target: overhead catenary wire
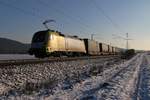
[100,9]
[76,17]
[31,13]
[21,10]
[41,18]
[78,21]
[41,2]
[113,23]
[79,18]
[124,38]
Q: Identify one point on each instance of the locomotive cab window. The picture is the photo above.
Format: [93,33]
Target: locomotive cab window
[39,37]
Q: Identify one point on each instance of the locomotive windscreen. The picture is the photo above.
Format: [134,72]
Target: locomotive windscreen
[39,36]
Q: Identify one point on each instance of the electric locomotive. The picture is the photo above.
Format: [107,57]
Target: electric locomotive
[53,43]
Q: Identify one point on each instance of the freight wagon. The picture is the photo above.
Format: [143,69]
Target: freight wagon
[110,49]
[92,47]
[104,48]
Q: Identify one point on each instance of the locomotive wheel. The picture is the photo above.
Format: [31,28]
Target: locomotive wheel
[69,54]
[39,55]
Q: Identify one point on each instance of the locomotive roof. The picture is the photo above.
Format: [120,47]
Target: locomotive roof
[60,34]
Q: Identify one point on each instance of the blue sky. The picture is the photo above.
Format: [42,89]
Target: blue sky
[20,19]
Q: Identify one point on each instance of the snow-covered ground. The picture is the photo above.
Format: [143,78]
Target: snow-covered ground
[20,77]
[109,80]
[15,56]
[130,81]
[143,86]
[115,83]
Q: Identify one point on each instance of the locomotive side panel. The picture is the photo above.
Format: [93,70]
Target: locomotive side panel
[61,43]
[51,44]
[74,45]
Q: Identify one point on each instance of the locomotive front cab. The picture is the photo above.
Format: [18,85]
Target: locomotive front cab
[39,44]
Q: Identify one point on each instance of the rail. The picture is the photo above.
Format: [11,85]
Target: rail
[48,60]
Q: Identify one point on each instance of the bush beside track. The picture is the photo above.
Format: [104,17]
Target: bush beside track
[128,54]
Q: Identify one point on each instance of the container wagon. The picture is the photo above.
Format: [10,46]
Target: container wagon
[92,47]
[104,48]
[110,49]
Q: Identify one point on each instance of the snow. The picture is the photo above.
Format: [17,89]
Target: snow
[15,56]
[122,86]
[109,80]
[143,89]
[32,75]
[95,87]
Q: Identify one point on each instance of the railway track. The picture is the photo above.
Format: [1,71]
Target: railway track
[48,60]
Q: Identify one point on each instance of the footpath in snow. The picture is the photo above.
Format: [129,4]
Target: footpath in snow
[142,91]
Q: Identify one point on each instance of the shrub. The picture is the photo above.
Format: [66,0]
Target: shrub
[128,54]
